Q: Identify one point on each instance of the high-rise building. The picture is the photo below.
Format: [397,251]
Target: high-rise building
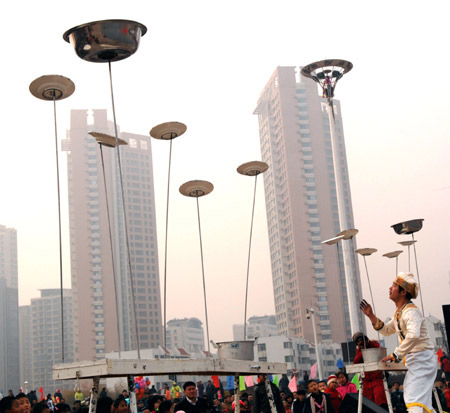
[257,326]
[186,333]
[9,311]
[302,208]
[46,342]
[25,341]
[97,326]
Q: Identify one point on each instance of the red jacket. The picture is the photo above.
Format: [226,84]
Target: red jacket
[335,397]
[371,375]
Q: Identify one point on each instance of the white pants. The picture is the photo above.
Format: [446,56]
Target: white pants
[419,381]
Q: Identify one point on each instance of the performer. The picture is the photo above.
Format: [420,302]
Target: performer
[415,344]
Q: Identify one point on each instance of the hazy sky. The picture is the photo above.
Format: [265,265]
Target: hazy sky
[204,63]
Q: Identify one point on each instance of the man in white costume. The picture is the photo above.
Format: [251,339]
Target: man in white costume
[415,344]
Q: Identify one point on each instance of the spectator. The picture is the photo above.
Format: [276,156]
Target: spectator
[103,393]
[299,401]
[210,391]
[398,403]
[41,408]
[191,403]
[317,401]
[9,404]
[120,405]
[200,389]
[24,403]
[166,406]
[322,385]
[335,396]
[260,399]
[104,405]
[373,387]
[63,408]
[344,385]
[79,395]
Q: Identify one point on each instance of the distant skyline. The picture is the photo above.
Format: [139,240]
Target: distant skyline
[203,64]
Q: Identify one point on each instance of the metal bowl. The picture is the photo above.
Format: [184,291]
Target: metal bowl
[408,227]
[371,355]
[236,350]
[105,40]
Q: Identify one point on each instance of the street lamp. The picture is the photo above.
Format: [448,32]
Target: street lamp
[310,315]
[327,73]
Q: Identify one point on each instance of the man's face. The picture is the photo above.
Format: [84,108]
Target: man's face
[395,386]
[313,388]
[191,392]
[301,397]
[394,293]
[24,405]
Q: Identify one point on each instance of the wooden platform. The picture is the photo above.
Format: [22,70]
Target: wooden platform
[123,367]
[374,366]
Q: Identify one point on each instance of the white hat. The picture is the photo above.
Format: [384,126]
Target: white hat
[406,280]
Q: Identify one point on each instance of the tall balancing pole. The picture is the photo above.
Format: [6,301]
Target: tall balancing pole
[253,168]
[109,41]
[197,189]
[327,73]
[52,88]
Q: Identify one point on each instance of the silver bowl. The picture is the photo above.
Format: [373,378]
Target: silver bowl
[105,40]
[408,227]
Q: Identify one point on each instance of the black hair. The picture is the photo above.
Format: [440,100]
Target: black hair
[342,373]
[40,407]
[311,381]
[301,391]
[408,295]
[6,403]
[152,400]
[189,383]
[62,407]
[104,405]
[165,406]
[118,401]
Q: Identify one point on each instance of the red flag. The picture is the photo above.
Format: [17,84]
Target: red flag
[293,385]
[216,382]
[41,390]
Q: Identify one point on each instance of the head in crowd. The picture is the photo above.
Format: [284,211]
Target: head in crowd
[190,390]
[166,407]
[154,402]
[24,403]
[332,382]
[312,387]
[9,404]
[41,408]
[301,395]
[322,385]
[120,405]
[63,408]
[342,378]
[104,405]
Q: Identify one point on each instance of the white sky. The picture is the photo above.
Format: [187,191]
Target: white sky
[204,63]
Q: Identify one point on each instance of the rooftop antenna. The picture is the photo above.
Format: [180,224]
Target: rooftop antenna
[327,73]
[108,41]
[253,168]
[53,88]
[167,132]
[197,189]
